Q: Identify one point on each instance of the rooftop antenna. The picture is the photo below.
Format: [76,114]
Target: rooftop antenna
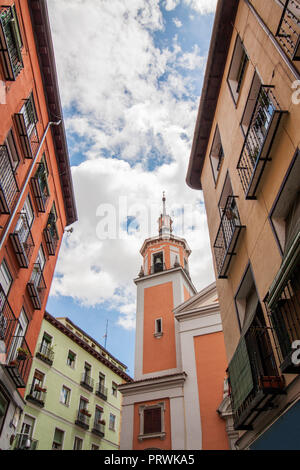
[105,336]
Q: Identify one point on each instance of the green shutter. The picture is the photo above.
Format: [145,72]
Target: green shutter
[240,375]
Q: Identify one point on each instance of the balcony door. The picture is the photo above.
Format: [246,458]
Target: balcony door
[19,336]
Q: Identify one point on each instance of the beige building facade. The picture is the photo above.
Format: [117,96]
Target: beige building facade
[245,158]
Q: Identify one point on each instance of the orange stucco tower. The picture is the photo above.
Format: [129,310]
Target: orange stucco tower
[161,408]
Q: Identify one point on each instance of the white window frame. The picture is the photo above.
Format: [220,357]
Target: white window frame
[61,395]
[161,434]
[6,276]
[157,333]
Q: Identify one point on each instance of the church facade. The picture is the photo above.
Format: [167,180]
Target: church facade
[180,361]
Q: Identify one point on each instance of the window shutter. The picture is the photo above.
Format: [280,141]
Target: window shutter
[152,420]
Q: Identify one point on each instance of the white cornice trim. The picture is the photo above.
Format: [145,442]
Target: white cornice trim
[157,383]
[164,273]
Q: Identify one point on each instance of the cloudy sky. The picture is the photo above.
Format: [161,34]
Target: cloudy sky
[130,74]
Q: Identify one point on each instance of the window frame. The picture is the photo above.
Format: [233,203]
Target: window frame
[244,55]
[7,274]
[68,396]
[10,137]
[162,433]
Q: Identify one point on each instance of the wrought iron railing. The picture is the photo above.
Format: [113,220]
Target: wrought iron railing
[289,29]
[19,360]
[26,124]
[87,381]
[51,236]
[83,418]
[8,184]
[227,236]
[22,241]
[45,353]
[101,391]
[24,442]
[266,381]
[284,316]
[10,43]
[98,428]
[258,140]
[8,323]
[37,394]
[37,287]
[40,190]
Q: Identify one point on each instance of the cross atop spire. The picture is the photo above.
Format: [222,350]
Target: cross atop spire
[165,221]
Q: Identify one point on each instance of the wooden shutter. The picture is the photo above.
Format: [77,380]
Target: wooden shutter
[152,420]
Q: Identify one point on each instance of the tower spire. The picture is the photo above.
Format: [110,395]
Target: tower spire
[165,221]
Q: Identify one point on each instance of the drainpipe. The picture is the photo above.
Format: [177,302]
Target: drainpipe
[12,216]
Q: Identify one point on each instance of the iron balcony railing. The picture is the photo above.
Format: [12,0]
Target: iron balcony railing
[8,323]
[258,141]
[8,183]
[259,379]
[83,418]
[36,287]
[22,241]
[24,442]
[45,353]
[26,124]
[101,391]
[10,43]
[37,394]
[51,236]
[227,236]
[19,363]
[98,428]
[40,189]
[87,381]
[288,32]
[284,313]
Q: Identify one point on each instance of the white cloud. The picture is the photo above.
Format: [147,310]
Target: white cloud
[202,6]
[128,106]
[171,4]
[177,22]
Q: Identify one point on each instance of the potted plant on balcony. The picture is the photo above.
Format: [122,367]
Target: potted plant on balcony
[85,412]
[22,354]
[102,421]
[38,388]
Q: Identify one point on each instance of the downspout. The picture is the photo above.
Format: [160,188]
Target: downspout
[12,216]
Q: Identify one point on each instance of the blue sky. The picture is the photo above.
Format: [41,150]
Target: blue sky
[130,75]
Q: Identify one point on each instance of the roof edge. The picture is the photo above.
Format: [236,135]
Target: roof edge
[217,57]
[45,51]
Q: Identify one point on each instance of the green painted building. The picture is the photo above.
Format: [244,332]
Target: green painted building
[72,397]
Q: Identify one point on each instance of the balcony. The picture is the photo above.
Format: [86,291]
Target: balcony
[26,124]
[36,287]
[8,184]
[24,442]
[87,382]
[8,323]
[289,29]
[254,378]
[51,237]
[40,191]
[283,307]
[258,141]
[101,391]
[83,418]
[10,43]
[37,395]
[227,237]
[19,360]
[22,241]
[98,428]
[45,353]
